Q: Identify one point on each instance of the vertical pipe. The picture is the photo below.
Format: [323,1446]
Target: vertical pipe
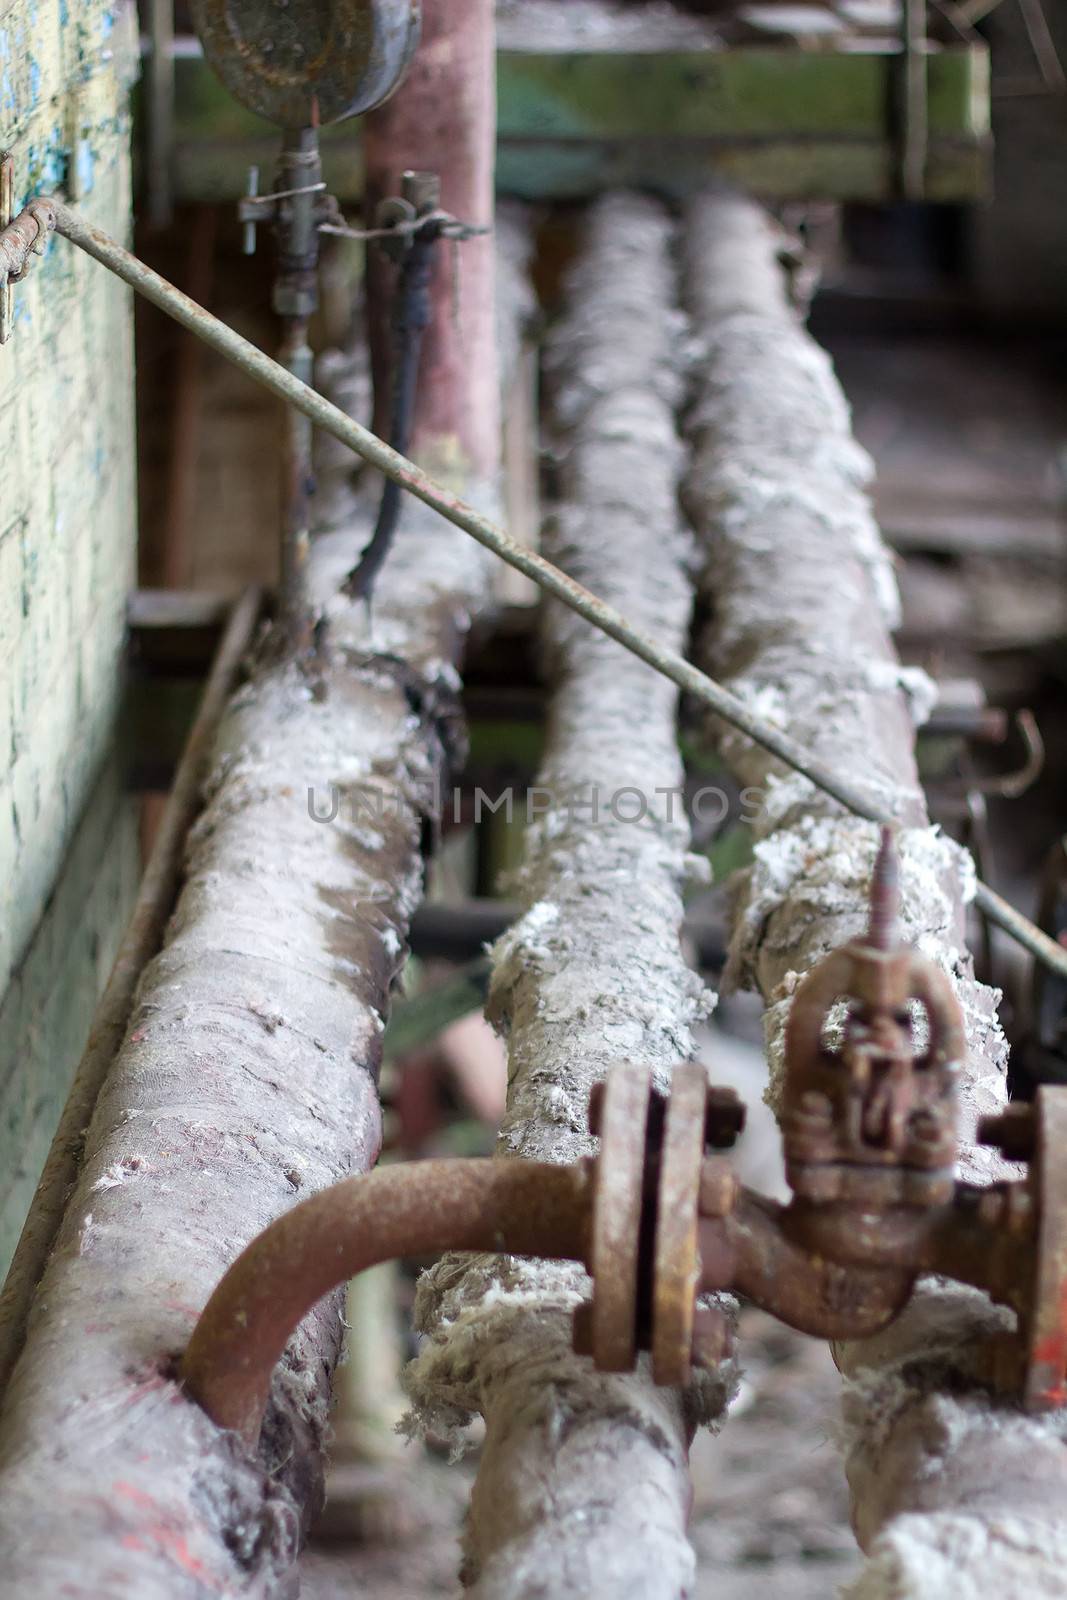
[7,211]
[295,299]
[160,111]
[443,119]
[295,355]
[914,110]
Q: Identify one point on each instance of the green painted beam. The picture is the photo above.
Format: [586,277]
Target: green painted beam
[755,93]
[786,124]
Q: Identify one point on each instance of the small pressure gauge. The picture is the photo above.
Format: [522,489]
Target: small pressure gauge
[306,63]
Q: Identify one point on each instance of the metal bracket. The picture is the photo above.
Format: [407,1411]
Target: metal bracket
[21,238]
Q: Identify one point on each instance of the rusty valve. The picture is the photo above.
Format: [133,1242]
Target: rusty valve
[873,1121]
[659,1218]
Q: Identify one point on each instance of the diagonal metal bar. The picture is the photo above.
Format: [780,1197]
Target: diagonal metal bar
[548,577]
[1042,43]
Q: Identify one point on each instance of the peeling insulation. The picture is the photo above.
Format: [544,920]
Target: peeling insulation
[945,1479]
[247,1080]
[583,1487]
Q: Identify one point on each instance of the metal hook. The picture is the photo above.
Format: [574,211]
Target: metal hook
[1010,785]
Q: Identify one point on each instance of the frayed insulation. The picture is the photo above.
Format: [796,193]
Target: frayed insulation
[583,1486]
[246,1081]
[954,1490]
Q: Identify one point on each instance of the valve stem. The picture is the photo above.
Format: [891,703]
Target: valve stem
[885,894]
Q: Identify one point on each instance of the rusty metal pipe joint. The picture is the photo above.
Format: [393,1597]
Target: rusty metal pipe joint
[659,1219]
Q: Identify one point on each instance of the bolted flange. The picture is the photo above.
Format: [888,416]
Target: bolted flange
[648,1192]
[676,1262]
[618,1113]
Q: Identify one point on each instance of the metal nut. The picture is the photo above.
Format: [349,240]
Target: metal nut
[1011,1131]
[724,1117]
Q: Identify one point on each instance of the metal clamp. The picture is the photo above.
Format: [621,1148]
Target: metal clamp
[21,238]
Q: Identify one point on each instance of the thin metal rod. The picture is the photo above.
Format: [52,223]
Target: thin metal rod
[160,82]
[914,111]
[374,450]
[1043,44]
[143,936]
[7,212]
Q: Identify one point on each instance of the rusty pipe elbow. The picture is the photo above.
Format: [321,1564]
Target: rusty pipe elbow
[810,1293]
[518,1207]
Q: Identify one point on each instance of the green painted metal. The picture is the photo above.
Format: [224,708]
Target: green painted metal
[786,124]
[729,94]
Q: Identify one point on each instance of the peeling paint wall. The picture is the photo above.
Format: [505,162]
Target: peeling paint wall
[44,1016]
[67,544]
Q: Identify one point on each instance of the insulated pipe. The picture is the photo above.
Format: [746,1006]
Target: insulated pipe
[374,450]
[519,1207]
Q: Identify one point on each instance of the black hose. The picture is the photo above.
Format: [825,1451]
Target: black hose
[412,315]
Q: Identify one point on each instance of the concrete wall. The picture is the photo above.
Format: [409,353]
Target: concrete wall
[67,545]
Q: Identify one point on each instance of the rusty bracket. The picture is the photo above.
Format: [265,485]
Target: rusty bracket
[21,238]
